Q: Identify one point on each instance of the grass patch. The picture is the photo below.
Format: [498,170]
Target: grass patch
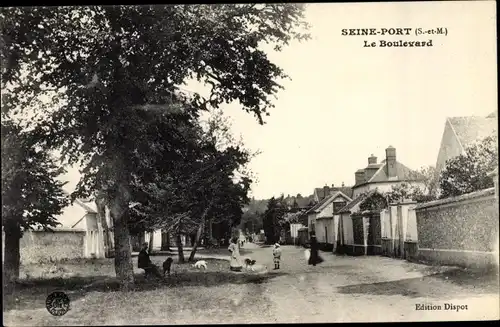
[189,295]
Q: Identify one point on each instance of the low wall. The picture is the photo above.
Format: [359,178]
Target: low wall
[459,231]
[471,259]
[354,250]
[411,250]
[37,246]
[386,247]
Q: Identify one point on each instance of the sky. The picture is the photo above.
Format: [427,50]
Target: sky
[346,102]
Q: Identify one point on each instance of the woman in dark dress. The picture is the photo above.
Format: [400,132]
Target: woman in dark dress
[314,259]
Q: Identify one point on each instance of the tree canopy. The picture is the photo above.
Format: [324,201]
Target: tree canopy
[114,73]
[32,196]
[468,172]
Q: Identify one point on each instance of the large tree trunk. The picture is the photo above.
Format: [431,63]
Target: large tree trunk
[12,255]
[210,230]
[180,250]
[123,255]
[103,225]
[196,241]
[199,232]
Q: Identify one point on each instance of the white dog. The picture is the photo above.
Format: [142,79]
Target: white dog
[307,254]
[259,268]
[200,264]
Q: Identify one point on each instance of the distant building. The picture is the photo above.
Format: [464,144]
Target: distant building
[321,196]
[326,220]
[382,176]
[80,234]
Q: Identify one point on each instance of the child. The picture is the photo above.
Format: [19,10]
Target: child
[277,256]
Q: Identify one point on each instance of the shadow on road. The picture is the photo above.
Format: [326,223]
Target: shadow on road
[35,291]
[456,282]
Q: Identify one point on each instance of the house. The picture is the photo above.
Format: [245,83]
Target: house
[321,196]
[359,229]
[327,219]
[382,176]
[79,235]
[461,132]
[321,193]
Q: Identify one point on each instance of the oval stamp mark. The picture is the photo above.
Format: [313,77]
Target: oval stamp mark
[57,303]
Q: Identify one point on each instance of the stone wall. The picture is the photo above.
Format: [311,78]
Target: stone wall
[41,246]
[461,230]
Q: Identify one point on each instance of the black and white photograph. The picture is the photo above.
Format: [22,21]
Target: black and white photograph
[249,163]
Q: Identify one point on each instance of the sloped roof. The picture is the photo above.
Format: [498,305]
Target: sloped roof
[330,199]
[346,190]
[89,206]
[473,128]
[402,173]
[320,191]
[356,201]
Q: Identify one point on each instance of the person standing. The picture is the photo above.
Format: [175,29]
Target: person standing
[277,256]
[314,258]
[235,263]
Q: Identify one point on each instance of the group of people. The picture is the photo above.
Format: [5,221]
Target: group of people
[144,261]
[236,262]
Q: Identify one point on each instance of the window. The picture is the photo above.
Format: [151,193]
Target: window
[338,205]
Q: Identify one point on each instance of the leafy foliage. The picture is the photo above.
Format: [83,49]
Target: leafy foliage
[274,219]
[203,185]
[469,172]
[115,73]
[374,202]
[407,191]
[31,194]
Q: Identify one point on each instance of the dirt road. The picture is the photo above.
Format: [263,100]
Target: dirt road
[373,288]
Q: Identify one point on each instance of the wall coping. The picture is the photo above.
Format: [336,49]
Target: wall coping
[461,198]
[56,230]
[402,203]
[366,213]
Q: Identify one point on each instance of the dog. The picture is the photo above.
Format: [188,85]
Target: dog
[167,264]
[200,264]
[249,262]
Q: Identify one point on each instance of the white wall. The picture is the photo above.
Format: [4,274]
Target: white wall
[327,211]
[156,239]
[320,230]
[294,229]
[411,229]
[347,229]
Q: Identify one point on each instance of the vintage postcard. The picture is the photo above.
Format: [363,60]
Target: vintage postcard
[250,163]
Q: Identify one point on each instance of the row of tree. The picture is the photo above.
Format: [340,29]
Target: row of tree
[101,85]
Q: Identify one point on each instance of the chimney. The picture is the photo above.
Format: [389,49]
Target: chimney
[332,189]
[390,157]
[326,190]
[359,176]
[372,160]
